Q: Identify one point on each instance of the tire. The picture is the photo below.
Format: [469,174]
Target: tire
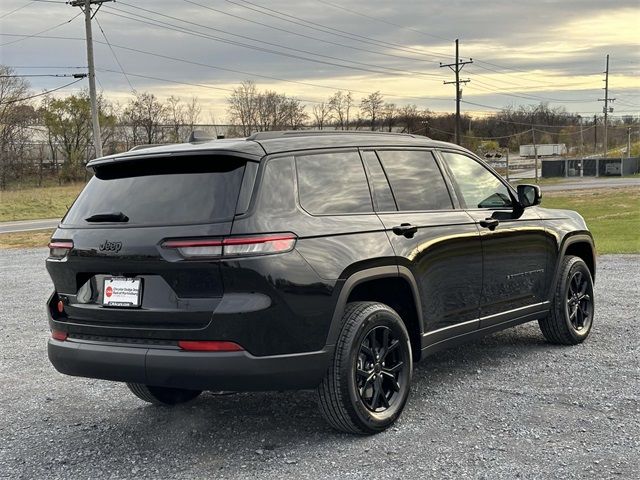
[362,366]
[571,317]
[162,395]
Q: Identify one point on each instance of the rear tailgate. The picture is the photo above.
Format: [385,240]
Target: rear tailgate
[117,226]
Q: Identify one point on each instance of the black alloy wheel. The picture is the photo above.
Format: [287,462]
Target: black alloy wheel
[380,369]
[570,318]
[368,381]
[579,301]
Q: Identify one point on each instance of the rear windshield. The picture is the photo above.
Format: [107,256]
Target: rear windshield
[160,191]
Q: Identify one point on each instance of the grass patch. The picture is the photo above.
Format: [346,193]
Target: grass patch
[32,239]
[612,215]
[36,203]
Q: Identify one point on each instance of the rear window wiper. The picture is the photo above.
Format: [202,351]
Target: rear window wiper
[108,217]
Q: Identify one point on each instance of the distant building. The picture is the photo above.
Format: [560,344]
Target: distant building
[543,150]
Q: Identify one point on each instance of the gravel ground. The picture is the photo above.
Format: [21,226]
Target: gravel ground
[508,406]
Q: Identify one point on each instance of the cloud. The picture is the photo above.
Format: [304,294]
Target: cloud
[523,51]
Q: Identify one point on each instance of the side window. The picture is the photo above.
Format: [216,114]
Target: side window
[416,180]
[479,187]
[333,183]
[380,190]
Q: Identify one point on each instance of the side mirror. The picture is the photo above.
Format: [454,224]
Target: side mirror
[529,195]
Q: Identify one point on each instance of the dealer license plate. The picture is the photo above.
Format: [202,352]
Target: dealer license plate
[122,292]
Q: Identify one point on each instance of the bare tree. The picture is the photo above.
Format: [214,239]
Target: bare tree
[243,107]
[340,105]
[321,114]
[295,115]
[371,107]
[175,118]
[262,111]
[389,115]
[146,113]
[15,116]
[192,113]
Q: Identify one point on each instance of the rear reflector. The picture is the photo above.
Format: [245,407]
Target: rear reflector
[58,335]
[209,346]
[233,246]
[59,248]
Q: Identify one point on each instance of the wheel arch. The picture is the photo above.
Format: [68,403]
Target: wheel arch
[579,245]
[392,285]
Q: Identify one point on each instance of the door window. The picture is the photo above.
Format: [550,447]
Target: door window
[333,183]
[416,180]
[479,187]
[380,190]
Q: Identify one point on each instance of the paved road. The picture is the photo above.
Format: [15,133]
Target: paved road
[592,183]
[508,406]
[28,225]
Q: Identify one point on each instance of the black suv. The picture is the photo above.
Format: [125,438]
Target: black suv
[304,260]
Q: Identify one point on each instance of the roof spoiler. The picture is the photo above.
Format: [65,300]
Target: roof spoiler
[201,136]
[142,147]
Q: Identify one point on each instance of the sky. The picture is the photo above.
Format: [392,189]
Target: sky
[523,52]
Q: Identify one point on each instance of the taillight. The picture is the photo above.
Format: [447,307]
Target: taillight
[59,248]
[233,246]
[58,335]
[209,346]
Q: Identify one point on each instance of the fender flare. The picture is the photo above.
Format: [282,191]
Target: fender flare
[368,274]
[566,242]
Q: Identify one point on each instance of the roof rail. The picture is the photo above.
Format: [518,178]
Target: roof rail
[313,133]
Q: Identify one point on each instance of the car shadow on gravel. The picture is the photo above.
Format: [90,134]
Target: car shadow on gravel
[273,423]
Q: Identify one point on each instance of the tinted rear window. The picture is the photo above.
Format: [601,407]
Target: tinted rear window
[333,183]
[162,191]
[416,180]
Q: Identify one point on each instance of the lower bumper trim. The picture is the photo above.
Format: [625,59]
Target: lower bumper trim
[237,371]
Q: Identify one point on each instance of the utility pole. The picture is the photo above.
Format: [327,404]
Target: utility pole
[595,134]
[606,110]
[85,6]
[535,150]
[456,67]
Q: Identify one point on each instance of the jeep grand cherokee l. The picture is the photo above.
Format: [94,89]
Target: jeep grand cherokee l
[304,260]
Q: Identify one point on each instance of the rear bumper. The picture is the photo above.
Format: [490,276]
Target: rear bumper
[171,367]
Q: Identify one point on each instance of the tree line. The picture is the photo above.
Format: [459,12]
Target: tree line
[45,136]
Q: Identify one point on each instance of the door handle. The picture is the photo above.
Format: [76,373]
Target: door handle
[490,223]
[405,229]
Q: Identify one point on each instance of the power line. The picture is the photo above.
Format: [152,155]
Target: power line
[290,32]
[367,67]
[517,84]
[41,94]
[206,65]
[37,34]
[360,14]
[528,96]
[114,55]
[15,10]
[74,75]
[326,29]
[49,66]
[201,64]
